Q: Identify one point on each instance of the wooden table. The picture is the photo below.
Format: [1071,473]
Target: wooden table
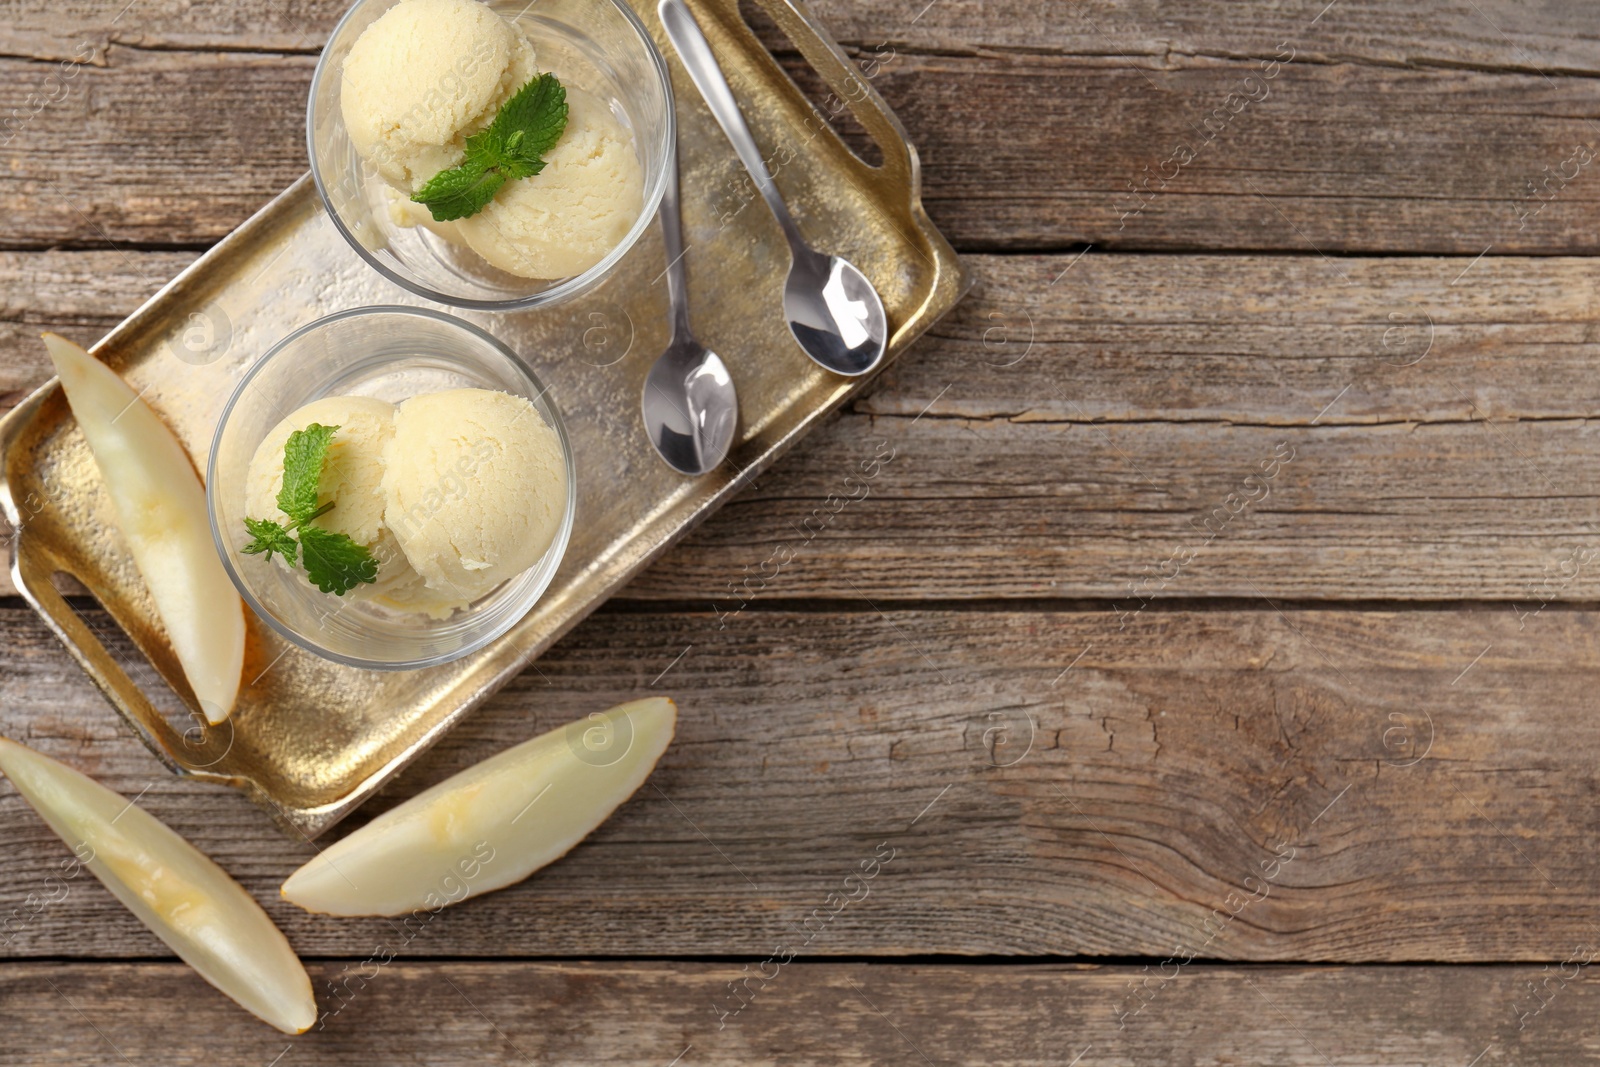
[1209,678]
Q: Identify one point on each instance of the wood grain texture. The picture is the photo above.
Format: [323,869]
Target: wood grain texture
[1328,157]
[1077,420]
[1476,510]
[1553,35]
[475,1014]
[1378,786]
[1264,340]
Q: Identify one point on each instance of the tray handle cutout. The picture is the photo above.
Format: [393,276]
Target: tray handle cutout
[899,170]
[188,752]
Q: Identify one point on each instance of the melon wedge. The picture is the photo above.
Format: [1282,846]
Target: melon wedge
[185,899]
[494,823]
[161,511]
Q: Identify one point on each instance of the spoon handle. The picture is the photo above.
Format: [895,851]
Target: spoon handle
[672,242]
[695,51]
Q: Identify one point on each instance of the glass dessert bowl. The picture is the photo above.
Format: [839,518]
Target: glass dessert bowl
[402,86]
[438,507]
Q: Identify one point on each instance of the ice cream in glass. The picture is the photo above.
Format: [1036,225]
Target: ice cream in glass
[425,77]
[450,493]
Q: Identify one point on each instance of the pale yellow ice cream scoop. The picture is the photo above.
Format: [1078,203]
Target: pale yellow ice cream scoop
[564,220]
[475,486]
[422,77]
[352,476]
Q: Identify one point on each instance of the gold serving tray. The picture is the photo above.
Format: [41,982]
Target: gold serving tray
[310,739]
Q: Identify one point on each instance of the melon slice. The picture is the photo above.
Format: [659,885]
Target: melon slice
[161,511]
[172,887]
[494,823]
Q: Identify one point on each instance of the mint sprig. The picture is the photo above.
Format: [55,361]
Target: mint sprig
[270,537]
[510,148]
[334,562]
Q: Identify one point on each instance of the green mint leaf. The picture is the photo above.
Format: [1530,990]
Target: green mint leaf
[303,456]
[517,169]
[533,120]
[510,148]
[484,148]
[460,191]
[334,563]
[269,537]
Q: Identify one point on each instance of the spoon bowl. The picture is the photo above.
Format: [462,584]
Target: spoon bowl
[690,408]
[835,313]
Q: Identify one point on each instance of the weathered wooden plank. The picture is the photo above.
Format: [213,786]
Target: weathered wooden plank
[471,1014]
[991,508]
[1552,36]
[105,156]
[1063,438]
[1241,339]
[1088,150]
[1335,785]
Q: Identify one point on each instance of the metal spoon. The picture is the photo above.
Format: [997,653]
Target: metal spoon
[833,311]
[689,404]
